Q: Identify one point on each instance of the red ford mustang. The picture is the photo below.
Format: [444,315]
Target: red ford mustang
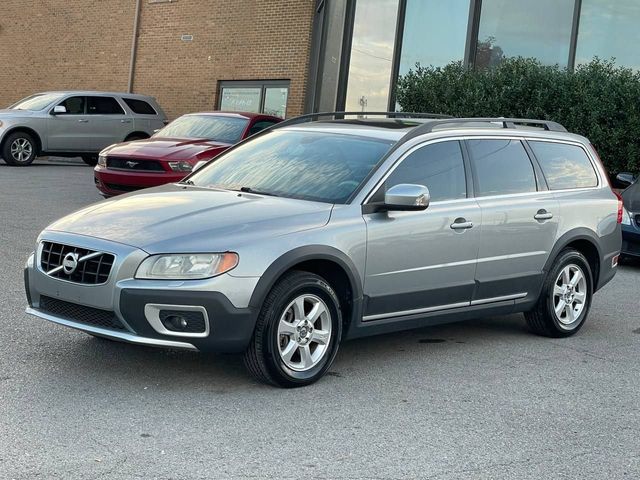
[172,153]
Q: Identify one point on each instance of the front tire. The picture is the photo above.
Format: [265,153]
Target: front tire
[297,333]
[565,299]
[19,149]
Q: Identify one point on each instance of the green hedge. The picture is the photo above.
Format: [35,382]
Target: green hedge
[598,100]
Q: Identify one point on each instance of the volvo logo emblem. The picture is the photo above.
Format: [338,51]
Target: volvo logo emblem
[131,164]
[70,262]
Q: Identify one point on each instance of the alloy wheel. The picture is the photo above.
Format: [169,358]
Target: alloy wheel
[21,150]
[569,295]
[304,332]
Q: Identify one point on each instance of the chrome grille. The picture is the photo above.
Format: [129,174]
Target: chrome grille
[80,313]
[93,267]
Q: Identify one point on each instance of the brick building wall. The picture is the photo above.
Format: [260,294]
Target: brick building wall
[83,44]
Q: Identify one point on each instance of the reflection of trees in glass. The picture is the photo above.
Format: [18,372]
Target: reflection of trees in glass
[488,54]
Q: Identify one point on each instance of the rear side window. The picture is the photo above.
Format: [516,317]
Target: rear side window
[103,106]
[564,166]
[259,126]
[439,167]
[139,106]
[502,167]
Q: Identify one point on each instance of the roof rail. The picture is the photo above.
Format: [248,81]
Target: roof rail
[310,117]
[428,127]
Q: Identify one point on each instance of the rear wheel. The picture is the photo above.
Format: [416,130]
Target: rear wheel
[566,295]
[297,333]
[19,149]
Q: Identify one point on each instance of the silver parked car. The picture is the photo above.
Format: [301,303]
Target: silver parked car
[75,123]
[315,232]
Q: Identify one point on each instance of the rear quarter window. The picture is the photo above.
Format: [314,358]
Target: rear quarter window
[140,106]
[564,166]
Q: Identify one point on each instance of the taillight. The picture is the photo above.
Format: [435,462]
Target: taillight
[620,205]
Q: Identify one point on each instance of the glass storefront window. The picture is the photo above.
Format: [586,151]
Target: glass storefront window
[333,33]
[538,29]
[609,28]
[371,60]
[435,33]
[240,99]
[275,101]
[266,96]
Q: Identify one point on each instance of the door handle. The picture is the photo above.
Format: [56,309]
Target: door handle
[83,120]
[461,224]
[543,215]
[125,121]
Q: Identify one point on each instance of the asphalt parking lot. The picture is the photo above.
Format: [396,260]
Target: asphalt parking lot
[479,399]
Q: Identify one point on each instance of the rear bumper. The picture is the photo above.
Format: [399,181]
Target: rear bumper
[116,182]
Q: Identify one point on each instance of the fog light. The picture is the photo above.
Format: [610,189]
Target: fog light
[182,321]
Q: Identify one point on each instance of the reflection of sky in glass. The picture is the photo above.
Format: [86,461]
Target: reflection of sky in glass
[372,54]
[564,166]
[609,28]
[537,29]
[435,33]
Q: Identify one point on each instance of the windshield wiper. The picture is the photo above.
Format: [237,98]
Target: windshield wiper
[257,192]
[187,182]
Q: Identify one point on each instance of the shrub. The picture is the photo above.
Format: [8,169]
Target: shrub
[598,100]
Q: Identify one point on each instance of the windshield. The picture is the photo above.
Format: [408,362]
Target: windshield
[308,165]
[36,102]
[219,129]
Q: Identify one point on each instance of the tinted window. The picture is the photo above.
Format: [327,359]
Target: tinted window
[501,167]
[139,106]
[438,166]
[435,33]
[608,29]
[372,44]
[74,105]
[318,166]
[564,166]
[538,29]
[261,125]
[103,106]
[212,127]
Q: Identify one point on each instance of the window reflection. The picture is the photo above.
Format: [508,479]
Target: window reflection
[371,55]
[538,29]
[609,28]
[435,33]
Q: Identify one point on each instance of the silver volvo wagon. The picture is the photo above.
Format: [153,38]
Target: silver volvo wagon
[315,232]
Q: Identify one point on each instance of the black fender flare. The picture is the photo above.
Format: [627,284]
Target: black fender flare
[580,233]
[302,254]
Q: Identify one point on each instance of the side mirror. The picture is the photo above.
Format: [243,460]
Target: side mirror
[199,165]
[405,197]
[59,109]
[625,178]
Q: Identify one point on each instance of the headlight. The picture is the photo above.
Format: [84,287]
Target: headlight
[180,166]
[626,218]
[102,160]
[186,266]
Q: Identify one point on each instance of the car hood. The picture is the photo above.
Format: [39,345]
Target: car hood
[8,112]
[174,218]
[167,148]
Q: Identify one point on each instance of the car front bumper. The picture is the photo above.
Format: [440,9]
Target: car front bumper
[116,182]
[122,308]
